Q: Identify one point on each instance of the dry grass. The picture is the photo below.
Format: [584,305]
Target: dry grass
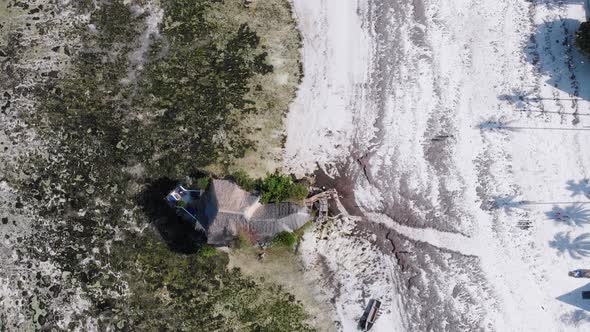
[283,267]
[275,25]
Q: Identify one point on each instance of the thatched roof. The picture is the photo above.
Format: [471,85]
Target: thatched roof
[229,209]
[225,227]
[271,219]
[230,197]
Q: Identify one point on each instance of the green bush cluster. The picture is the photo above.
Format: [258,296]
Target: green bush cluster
[285,239]
[273,188]
[583,38]
[245,181]
[202,183]
[279,188]
[207,251]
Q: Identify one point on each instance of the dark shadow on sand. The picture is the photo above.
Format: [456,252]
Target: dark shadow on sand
[580,187]
[573,215]
[577,248]
[551,49]
[509,204]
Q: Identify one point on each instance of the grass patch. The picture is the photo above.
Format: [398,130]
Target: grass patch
[196,293]
[244,180]
[273,188]
[202,183]
[285,239]
[245,240]
[208,251]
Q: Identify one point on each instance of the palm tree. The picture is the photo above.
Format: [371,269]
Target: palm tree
[577,247]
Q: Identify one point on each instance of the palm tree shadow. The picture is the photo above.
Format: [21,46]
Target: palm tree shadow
[552,51]
[582,187]
[508,203]
[499,125]
[521,99]
[573,215]
[577,248]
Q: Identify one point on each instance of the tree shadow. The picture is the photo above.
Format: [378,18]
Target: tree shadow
[575,317]
[577,247]
[552,51]
[179,234]
[497,125]
[573,215]
[509,204]
[582,187]
[521,98]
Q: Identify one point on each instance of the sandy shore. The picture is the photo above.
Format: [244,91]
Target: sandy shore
[335,57]
[461,127]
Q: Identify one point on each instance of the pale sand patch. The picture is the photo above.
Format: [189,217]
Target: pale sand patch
[336,53]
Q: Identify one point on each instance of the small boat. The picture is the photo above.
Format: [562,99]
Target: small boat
[580,273]
[370,315]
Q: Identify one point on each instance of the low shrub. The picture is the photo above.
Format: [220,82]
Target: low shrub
[279,188]
[202,183]
[285,239]
[208,251]
[244,180]
[298,192]
[245,239]
[274,188]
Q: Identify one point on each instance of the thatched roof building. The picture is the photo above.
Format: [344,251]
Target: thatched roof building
[227,210]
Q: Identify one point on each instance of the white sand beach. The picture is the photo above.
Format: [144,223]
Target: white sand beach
[463,125]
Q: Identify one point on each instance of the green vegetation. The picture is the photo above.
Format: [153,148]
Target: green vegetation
[196,293]
[301,230]
[273,188]
[208,251]
[202,183]
[244,240]
[286,239]
[201,86]
[245,181]
[182,109]
[279,188]
[583,38]
[290,239]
